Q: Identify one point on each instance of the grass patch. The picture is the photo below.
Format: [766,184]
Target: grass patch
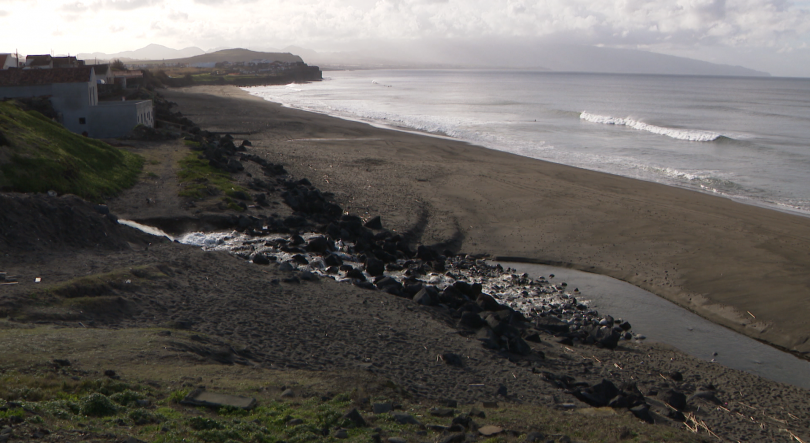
[145,401]
[38,155]
[200,180]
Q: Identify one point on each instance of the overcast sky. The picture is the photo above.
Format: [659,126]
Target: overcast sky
[768,35]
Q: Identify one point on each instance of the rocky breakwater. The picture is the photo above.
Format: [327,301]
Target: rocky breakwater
[509,314]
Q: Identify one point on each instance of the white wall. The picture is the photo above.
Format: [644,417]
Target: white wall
[117,119]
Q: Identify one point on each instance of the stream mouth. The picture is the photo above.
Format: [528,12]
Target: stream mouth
[665,322]
[535,290]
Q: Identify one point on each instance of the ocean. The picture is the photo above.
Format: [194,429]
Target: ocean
[747,139]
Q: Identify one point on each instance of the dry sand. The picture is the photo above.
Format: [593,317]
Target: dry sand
[742,266]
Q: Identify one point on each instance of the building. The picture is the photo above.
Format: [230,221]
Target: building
[38,62]
[122,77]
[8,61]
[74,95]
[105,73]
[67,62]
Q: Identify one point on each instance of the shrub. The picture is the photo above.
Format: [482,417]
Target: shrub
[98,405]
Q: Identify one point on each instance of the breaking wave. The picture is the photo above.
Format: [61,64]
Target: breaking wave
[680,134]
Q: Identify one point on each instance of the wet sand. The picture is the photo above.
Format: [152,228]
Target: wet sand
[742,266]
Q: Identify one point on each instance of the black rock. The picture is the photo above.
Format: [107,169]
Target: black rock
[423,297]
[488,303]
[318,244]
[375,223]
[441,412]
[365,285]
[452,359]
[300,259]
[374,266]
[332,260]
[625,326]
[405,419]
[472,320]
[598,395]
[675,375]
[458,437]
[535,437]
[465,421]
[61,362]
[487,338]
[642,412]
[501,391]
[517,345]
[261,259]
[309,276]
[356,274]
[381,408]
[355,417]
[675,399]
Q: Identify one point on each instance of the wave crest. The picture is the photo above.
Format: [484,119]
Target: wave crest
[680,134]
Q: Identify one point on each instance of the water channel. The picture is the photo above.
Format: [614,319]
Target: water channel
[664,322]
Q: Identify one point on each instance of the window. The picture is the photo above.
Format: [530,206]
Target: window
[82,121]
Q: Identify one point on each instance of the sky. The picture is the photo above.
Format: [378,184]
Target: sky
[767,35]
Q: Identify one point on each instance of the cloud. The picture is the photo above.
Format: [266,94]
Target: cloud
[4,13]
[128,5]
[115,29]
[177,15]
[75,7]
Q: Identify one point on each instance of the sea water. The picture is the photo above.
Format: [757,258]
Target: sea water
[743,138]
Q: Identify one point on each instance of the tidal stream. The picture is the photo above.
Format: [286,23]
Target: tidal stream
[664,322]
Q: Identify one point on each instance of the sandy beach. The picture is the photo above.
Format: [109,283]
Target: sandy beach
[738,265]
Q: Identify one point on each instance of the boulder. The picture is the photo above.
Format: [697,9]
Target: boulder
[423,297]
[374,223]
[374,266]
[452,359]
[488,303]
[598,395]
[355,417]
[319,244]
[674,398]
[261,259]
[471,320]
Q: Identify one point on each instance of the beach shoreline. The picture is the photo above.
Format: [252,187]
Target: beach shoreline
[709,254]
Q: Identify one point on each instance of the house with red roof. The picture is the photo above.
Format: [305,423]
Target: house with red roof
[74,95]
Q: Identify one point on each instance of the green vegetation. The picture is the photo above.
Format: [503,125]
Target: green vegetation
[145,402]
[38,155]
[200,180]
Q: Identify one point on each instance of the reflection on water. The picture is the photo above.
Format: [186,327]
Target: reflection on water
[665,322]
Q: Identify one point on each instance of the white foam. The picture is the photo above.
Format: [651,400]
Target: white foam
[680,134]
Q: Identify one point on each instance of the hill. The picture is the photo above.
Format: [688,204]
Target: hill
[522,54]
[149,52]
[39,155]
[232,56]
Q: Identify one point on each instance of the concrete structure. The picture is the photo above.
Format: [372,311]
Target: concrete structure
[38,62]
[103,72]
[114,119]
[67,62]
[121,77]
[8,61]
[74,95]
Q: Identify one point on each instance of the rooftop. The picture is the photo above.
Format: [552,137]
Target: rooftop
[20,77]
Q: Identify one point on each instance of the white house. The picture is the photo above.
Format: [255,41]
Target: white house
[8,61]
[74,95]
